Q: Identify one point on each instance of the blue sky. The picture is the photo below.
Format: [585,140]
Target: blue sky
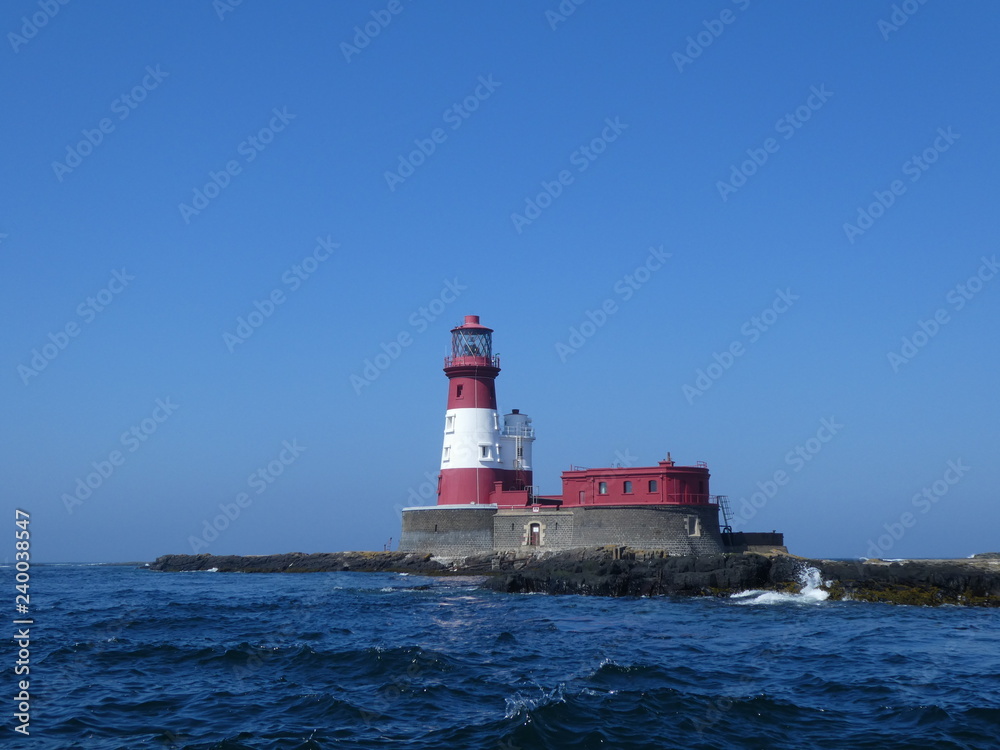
[685,171]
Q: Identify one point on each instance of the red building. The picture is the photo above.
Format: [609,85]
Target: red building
[663,484]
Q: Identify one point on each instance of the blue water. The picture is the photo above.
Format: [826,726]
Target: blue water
[125,658]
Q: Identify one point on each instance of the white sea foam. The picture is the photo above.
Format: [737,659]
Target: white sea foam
[523,704]
[810,579]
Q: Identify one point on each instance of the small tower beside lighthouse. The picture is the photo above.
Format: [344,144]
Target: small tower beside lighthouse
[478,453]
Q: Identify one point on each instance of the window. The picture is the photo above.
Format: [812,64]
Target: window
[602,488]
[652,485]
[449,423]
[496,422]
[693,526]
[499,447]
[484,451]
[627,488]
[458,390]
[447,453]
[583,497]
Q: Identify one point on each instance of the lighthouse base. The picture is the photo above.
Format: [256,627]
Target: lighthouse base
[467,529]
[448,530]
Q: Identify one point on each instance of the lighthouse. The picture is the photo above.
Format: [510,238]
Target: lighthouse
[487,502]
[480,457]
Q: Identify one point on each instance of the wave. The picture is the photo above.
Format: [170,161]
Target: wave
[519,703]
[811,592]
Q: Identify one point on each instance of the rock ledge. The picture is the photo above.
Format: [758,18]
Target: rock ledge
[622,571]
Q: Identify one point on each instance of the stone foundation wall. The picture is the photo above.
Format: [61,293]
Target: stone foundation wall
[680,530]
[642,527]
[447,531]
[754,541]
[511,530]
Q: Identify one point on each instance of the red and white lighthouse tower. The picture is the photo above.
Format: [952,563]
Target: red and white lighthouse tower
[478,453]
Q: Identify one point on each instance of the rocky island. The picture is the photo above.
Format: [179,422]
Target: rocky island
[622,571]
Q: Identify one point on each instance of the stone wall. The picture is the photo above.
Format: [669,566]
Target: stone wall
[661,527]
[680,530]
[447,531]
[512,529]
[754,541]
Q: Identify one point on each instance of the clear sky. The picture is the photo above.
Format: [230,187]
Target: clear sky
[234,238]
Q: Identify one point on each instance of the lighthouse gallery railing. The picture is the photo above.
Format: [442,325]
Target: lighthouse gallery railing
[472,359]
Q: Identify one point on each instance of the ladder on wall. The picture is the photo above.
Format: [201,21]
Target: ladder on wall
[727,513]
[519,462]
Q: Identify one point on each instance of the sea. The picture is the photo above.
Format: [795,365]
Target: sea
[124,657]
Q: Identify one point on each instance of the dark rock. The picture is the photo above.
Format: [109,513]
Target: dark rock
[620,571]
[973,581]
[298,562]
[636,573]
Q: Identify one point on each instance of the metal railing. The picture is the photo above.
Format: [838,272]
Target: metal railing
[473,360]
[698,464]
[686,498]
[518,431]
[640,497]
